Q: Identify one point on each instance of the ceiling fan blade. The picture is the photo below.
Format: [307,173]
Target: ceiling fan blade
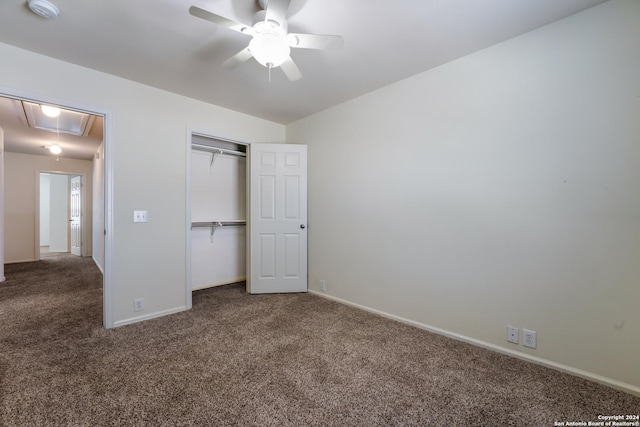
[277,11]
[314,41]
[220,20]
[291,70]
[237,59]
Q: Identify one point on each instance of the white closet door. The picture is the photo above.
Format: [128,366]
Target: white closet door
[277,218]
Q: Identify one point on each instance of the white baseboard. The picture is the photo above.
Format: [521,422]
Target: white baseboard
[148,316]
[97,264]
[628,388]
[17,261]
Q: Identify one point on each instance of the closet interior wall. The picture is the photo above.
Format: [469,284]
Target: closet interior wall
[218,212]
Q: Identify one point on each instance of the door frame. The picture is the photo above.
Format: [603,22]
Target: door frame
[191,131]
[39,98]
[83,210]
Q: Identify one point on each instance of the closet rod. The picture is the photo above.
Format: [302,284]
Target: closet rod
[210,149]
[218,224]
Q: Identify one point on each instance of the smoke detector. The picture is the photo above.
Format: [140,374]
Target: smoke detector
[43,8]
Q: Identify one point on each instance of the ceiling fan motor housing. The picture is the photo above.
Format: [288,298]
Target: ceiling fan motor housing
[259,19]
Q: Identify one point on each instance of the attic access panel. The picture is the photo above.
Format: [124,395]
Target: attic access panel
[70,122]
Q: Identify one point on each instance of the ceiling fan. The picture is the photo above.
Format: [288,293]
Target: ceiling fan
[270,42]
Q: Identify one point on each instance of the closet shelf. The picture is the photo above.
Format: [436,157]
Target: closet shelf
[216,150]
[218,224]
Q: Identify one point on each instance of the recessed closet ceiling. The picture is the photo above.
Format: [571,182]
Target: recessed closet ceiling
[157,42]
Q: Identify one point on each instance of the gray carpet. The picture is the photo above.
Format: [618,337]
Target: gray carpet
[271,360]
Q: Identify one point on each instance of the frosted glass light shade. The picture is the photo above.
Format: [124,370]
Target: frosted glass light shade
[55,149]
[270,49]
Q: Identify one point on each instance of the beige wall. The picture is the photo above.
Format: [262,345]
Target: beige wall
[21,173]
[499,189]
[148,129]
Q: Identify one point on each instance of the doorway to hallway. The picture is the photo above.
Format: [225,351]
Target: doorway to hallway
[22,159]
[61,211]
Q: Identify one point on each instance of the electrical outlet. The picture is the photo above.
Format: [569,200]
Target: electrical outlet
[140,216]
[529,338]
[138,304]
[512,334]
[323,285]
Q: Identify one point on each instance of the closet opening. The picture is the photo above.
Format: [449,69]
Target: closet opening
[218,212]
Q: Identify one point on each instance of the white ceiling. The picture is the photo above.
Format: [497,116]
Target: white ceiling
[157,42]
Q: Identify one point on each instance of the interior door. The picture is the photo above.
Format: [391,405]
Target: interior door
[76,215]
[277,227]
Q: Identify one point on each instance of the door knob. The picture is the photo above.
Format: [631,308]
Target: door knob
[302,226]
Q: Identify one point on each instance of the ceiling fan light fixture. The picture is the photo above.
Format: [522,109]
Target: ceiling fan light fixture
[270,49]
[271,41]
[55,149]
